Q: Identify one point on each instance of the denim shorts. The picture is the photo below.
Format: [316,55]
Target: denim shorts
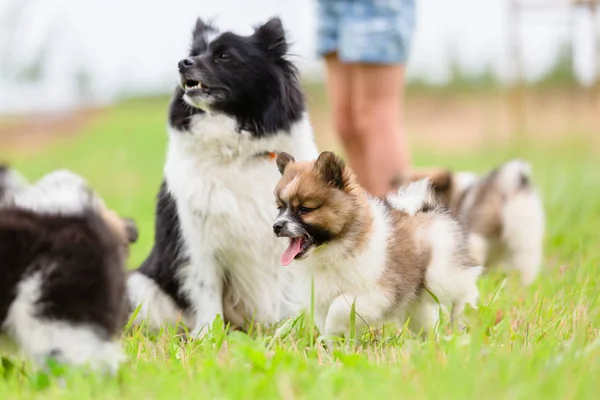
[366,31]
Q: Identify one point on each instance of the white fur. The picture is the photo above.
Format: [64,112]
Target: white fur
[510,173]
[342,278]
[77,345]
[155,307]
[523,234]
[523,222]
[464,179]
[520,246]
[452,283]
[12,182]
[61,192]
[410,197]
[224,196]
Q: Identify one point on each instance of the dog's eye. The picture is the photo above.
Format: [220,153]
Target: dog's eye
[304,210]
[224,56]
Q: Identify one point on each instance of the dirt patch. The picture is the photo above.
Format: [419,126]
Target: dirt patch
[33,133]
[436,120]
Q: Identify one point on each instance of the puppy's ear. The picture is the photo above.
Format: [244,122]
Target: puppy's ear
[441,180]
[332,169]
[401,178]
[272,37]
[200,37]
[283,159]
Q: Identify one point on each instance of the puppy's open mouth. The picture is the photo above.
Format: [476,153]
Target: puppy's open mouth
[297,248]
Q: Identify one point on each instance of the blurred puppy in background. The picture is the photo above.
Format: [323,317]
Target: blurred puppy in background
[62,280]
[502,211]
[385,257]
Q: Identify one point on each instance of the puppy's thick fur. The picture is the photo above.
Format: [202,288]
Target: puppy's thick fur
[502,211]
[239,100]
[11,183]
[383,256]
[62,281]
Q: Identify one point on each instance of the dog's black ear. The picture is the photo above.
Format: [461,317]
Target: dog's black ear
[332,169]
[283,159]
[272,37]
[200,37]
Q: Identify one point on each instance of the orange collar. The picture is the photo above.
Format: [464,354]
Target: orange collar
[269,155]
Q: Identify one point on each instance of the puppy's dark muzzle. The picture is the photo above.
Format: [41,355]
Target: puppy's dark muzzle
[280,228]
[131,229]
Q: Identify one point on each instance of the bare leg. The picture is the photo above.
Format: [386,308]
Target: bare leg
[339,86]
[377,108]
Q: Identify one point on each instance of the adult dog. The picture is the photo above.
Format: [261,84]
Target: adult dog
[239,102]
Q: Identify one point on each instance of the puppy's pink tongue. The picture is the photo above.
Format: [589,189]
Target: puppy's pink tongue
[292,251]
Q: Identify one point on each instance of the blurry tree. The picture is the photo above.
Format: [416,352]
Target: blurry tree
[12,64]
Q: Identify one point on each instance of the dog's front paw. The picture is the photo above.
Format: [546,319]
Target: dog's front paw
[337,322]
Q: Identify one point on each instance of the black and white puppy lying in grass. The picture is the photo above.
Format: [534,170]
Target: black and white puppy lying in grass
[62,278]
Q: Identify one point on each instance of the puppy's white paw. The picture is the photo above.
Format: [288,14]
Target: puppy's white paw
[337,322]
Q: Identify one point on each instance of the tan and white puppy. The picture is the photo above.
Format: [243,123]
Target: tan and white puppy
[383,256]
[502,211]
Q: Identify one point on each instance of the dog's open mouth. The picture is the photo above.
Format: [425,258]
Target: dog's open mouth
[297,247]
[192,85]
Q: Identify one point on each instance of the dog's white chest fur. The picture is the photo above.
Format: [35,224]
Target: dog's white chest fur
[336,275]
[224,194]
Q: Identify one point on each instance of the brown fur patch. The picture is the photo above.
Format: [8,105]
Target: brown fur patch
[125,230]
[441,179]
[483,215]
[347,213]
[407,258]
[339,205]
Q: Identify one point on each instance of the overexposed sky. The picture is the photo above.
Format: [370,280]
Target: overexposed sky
[132,46]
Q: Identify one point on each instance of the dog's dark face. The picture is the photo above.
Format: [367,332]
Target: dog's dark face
[246,77]
[317,202]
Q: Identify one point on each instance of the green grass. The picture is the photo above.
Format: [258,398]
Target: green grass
[540,342]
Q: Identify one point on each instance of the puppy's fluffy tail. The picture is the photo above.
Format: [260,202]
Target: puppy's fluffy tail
[515,176]
[413,197]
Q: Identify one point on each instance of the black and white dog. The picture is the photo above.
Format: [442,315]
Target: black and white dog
[62,278]
[238,103]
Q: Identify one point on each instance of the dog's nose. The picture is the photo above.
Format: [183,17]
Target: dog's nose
[185,64]
[278,226]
